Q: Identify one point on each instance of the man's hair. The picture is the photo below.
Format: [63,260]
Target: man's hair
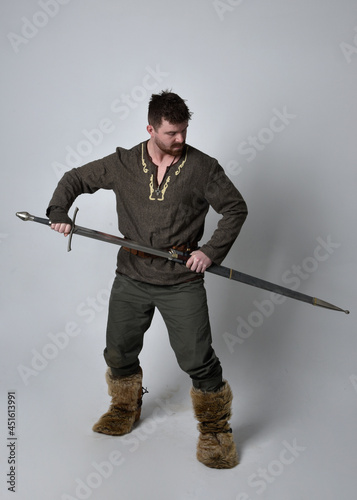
[167,106]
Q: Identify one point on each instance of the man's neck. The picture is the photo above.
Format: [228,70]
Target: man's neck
[158,156]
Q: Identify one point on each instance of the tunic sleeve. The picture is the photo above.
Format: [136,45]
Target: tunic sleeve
[226,200]
[86,179]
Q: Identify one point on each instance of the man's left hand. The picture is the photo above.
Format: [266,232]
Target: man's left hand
[198,261]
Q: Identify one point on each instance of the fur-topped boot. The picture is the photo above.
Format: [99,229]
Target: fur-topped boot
[125,408]
[215,447]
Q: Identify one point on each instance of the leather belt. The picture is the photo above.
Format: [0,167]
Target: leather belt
[181,248]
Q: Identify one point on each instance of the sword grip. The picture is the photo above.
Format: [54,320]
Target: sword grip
[41,220]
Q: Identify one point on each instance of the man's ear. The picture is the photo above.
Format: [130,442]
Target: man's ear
[150,129]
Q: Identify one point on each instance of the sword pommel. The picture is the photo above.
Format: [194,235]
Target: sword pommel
[24,216]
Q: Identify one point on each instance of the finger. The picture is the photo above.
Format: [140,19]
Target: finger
[195,264]
[67,229]
[56,226]
[62,228]
[190,262]
[200,268]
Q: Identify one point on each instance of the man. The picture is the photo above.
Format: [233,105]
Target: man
[163,189]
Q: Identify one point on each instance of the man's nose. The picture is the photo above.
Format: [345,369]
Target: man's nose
[180,138]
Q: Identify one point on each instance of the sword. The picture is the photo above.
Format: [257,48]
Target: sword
[181,257]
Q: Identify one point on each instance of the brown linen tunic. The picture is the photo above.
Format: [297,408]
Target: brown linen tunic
[159,216]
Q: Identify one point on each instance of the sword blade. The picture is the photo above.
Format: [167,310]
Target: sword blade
[116,240]
[271,287]
[181,258]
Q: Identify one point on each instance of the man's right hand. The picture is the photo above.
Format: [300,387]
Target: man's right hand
[62,228]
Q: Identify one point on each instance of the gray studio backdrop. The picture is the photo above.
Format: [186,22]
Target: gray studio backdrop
[272,85]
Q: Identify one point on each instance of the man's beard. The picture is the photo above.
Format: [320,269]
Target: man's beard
[174,150]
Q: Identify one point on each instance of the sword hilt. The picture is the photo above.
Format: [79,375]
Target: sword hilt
[25,216]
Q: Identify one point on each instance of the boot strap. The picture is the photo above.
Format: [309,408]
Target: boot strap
[211,428]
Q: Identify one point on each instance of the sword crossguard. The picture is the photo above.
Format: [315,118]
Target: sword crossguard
[69,246]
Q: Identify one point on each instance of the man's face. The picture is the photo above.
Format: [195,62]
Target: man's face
[169,138]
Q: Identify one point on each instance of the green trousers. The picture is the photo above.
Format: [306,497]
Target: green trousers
[185,313]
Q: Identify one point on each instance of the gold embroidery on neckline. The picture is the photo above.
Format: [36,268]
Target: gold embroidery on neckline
[182,164]
[151,186]
[163,190]
[145,168]
[151,183]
